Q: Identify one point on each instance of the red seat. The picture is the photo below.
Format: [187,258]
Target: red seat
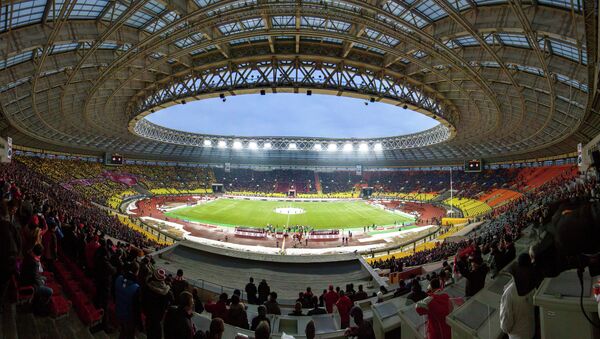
[56,288]
[59,306]
[72,287]
[88,314]
[24,294]
[88,286]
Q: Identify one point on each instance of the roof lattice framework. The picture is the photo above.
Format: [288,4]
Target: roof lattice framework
[510,79]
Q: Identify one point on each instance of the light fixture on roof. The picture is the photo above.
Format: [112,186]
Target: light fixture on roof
[207,143]
[292,146]
[267,145]
[252,145]
[237,144]
[332,147]
[183,102]
[222,144]
[348,147]
[262,92]
[318,147]
[405,106]
[363,147]
[378,147]
[222,96]
[309,92]
[372,99]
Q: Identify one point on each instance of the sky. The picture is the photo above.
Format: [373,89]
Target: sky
[288,114]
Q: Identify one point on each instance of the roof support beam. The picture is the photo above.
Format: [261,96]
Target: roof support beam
[214,33]
[357,30]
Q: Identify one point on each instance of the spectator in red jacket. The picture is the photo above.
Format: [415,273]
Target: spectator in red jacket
[90,250]
[218,309]
[343,305]
[331,297]
[436,306]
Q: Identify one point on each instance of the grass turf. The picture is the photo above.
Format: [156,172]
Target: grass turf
[319,215]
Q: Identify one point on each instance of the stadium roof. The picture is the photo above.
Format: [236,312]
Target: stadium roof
[507,79]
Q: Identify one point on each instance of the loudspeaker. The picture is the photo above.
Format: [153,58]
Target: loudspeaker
[596,158]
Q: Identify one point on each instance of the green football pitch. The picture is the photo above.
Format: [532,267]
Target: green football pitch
[319,215]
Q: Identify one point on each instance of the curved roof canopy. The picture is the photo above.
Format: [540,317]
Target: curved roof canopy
[507,79]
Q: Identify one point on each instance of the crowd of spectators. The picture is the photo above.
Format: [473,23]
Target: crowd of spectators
[498,233]
[98,183]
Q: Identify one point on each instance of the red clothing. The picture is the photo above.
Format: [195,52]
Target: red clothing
[344,304]
[437,306]
[218,310]
[90,250]
[331,298]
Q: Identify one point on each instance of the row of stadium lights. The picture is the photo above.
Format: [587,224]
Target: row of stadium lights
[332,147]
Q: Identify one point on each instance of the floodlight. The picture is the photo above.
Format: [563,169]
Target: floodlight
[207,143]
[267,145]
[332,147]
[378,147]
[363,147]
[222,144]
[318,147]
[348,147]
[237,144]
[253,145]
[292,146]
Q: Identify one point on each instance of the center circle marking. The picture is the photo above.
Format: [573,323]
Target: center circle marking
[289,210]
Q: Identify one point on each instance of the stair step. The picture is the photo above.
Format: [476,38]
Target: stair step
[9,323]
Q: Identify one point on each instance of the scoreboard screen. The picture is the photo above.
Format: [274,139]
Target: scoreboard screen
[113,159]
[473,166]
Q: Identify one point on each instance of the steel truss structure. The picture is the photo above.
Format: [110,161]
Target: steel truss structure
[507,79]
[293,75]
[435,135]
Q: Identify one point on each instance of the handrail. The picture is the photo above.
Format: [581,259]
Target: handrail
[409,243]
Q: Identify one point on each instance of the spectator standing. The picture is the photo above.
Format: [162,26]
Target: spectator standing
[198,306]
[127,301]
[263,331]
[416,294]
[236,314]
[310,331]
[272,305]
[517,313]
[330,298]
[50,243]
[343,305]
[156,297]
[360,294]
[475,276]
[10,249]
[178,320]
[262,316]
[251,292]
[217,327]
[90,250]
[316,309]
[363,329]
[179,283]
[103,278]
[218,309]
[263,291]
[436,306]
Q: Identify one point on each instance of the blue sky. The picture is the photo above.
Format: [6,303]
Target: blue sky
[286,114]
